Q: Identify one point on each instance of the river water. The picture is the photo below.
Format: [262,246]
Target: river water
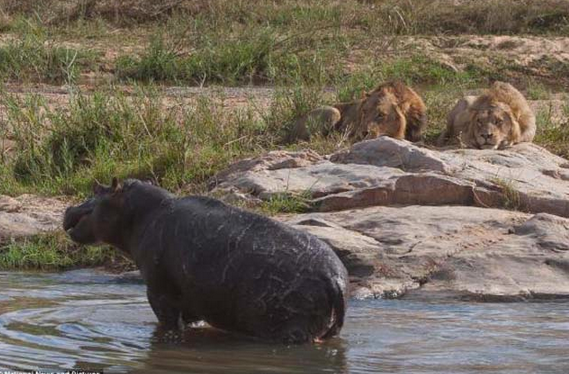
[90,320]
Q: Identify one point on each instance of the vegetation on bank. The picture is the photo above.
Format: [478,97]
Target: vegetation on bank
[402,17]
[54,251]
[34,57]
[250,42]
[312,52]
[552,135]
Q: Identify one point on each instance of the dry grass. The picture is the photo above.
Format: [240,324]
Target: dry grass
[402,17]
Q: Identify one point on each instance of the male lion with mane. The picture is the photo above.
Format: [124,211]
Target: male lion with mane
[497,119]
[392,109]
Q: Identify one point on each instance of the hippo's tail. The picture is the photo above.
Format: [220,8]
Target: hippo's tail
[338,297]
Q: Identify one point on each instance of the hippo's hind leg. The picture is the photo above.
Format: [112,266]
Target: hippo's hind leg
[165,308]
[295,334]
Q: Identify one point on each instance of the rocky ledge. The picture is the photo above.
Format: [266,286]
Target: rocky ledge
[29,215]
[411,221]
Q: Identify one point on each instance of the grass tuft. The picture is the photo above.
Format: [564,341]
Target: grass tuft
[510,196]
[552,135]
[252,55]
[285,203]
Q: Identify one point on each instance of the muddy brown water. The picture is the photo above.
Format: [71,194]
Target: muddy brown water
[91,320]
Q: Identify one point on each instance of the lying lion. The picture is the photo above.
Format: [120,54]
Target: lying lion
[391,109]
[496,119]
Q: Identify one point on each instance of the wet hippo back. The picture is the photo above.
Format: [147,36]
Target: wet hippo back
[244,272]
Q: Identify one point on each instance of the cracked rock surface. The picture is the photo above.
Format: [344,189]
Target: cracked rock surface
[410,221]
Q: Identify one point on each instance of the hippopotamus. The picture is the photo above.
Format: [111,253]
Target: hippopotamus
[203,260]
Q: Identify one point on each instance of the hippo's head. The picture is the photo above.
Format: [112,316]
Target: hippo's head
[99,219]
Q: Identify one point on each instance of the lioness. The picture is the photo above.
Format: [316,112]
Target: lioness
[391,109]
[496,119]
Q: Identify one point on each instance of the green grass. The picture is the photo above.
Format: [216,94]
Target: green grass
[403,17]
[262,58]
[538,91]
[33,57]
[439,101]
[285,203]
[109,134]
[250,55]
[54,251]
[552,135]
[510,196]
[230,62]
[248,42]
[476,17]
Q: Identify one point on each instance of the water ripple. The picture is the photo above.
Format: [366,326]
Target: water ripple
[86,319]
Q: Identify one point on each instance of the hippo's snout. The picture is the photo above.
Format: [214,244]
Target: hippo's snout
[74,214]
[70,219]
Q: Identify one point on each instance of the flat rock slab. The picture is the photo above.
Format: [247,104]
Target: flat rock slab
[387,171]
[29,215]
[485,254]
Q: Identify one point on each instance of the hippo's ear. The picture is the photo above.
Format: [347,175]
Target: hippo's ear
[115,186]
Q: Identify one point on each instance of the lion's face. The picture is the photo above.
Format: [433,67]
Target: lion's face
[490,127]
[383,116]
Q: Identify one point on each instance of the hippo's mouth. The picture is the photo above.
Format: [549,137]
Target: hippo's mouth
[72,219]
[78,229]
[77,222]
[70,226]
